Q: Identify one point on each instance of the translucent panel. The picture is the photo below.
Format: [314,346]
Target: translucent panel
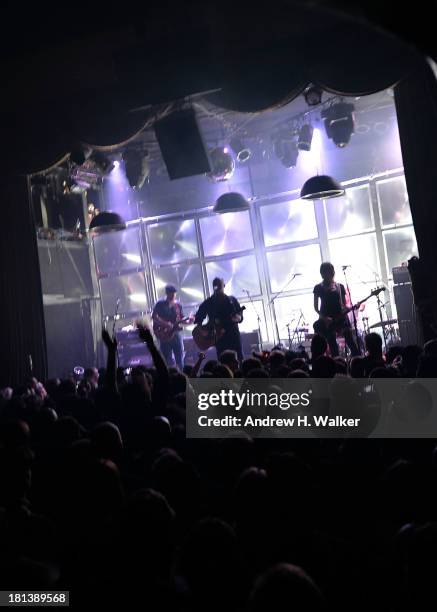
[288,222]
[240,274]
[186,279]
[250,320]
[399,245]
[359,253]
[394,207]
[118,251]
[283,264]
[130,289]
[297,311]
[350,214]
[173,241]
[229,233]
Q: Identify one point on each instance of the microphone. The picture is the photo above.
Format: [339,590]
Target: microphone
[297,273]
[345,267]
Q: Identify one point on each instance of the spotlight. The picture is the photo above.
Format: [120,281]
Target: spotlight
[313,95]
[242,152]
[136,166]
[305,137]
[103,163]
[286,151]
[222,165]
[339,122]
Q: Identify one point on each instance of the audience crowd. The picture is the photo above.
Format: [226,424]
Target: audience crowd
[102,494]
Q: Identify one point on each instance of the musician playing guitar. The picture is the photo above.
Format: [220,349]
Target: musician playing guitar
[224,313]
[330,303]
[167,318]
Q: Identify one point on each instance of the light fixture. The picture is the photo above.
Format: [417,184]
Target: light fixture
[321,187]
[339,122]
[313,95]
[286,151]
[305,137]
[222,164]
[242,152]
[107,221]
[101,162]
[136,167]
[231,202]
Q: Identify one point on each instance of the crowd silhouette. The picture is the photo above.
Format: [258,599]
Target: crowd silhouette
[102,494]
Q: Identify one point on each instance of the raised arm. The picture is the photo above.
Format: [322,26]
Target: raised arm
[161,383]
[158,360]
[111,363]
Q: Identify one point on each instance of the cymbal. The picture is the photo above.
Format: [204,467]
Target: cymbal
[383,323]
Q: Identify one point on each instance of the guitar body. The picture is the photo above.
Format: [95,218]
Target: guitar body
[206,336]
[165,333]
[337,324]
[322,328]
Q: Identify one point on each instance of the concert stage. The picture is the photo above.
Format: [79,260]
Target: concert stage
[268,252]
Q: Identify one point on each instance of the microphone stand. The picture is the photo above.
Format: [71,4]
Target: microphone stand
[354,315]
[260,342]
[277,295]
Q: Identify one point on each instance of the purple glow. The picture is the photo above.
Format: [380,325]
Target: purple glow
[117,191]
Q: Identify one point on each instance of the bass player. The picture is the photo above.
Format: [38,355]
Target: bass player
[167,318]
[329,303]
[224,313]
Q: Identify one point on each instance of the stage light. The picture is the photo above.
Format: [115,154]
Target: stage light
[107,222]
[138,298]
[321,187]
[131,257]
[136,166]
[305,137]
[242,152]
[231,202]
[222,165]
[313,95]
[339,122]
[286,151]
[101,162]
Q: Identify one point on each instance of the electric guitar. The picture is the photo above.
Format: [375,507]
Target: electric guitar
[166,330]
[207,335]
[321,326]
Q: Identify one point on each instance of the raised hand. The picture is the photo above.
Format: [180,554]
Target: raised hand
[110,343]
[145,334]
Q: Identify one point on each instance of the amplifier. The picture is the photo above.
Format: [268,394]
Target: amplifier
[401,275]
[131,351]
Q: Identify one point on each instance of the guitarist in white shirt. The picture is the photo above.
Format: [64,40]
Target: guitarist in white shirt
[166,316]
[329,303]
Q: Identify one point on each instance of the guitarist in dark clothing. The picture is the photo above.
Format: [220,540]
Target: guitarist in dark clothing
[166,314]
[329,303]
[225,312]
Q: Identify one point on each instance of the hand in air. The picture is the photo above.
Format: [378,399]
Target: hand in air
[110,343]
[145,334]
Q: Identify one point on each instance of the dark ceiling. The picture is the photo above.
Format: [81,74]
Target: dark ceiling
[47,24]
